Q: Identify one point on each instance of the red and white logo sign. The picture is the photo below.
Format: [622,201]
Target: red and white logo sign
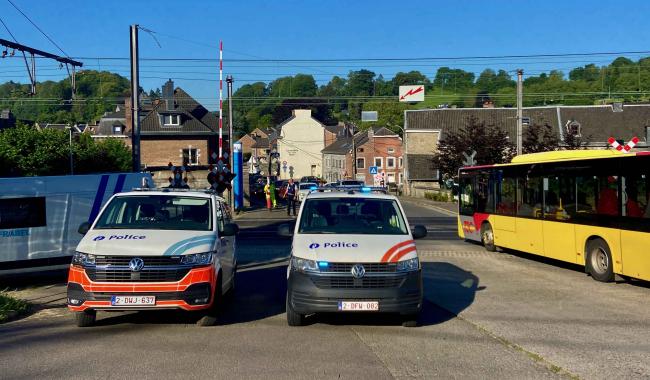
[623,148]
[411,93]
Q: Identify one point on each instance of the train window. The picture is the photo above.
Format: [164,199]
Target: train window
[22,212]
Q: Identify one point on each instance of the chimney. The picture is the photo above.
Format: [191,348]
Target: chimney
[371,133]
[168,94]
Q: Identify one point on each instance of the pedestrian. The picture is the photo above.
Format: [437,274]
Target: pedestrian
[274,201]
[291,197]
[267,193]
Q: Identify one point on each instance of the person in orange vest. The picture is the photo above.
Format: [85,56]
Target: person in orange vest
[267,193]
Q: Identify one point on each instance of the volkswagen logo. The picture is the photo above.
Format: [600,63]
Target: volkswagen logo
[136,264]
[358,271]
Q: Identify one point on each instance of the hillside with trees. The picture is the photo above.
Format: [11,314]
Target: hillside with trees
[263,104]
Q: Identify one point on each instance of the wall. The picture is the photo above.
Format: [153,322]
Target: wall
[378,146]
[300,145]
[161,150]
[425,142]
[331,170]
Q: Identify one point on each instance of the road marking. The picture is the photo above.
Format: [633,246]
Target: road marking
[432,207]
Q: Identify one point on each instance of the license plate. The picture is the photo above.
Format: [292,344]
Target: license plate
[133,300]
[358,306]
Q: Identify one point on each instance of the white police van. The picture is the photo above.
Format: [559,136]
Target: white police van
[155,249]
[353,251]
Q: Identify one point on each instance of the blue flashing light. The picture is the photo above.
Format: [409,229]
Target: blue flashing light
[323,264]
[313,188]
[365,189]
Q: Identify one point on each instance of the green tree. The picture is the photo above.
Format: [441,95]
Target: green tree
[491,144]
[540,138]
[360,83]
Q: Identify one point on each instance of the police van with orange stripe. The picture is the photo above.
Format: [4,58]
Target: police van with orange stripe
[155,249]
[353,251]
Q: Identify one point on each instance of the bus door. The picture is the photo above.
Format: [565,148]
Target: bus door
[530,233]
[559,206]
[503,222]
[635,224]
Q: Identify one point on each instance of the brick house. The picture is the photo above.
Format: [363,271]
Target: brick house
[377,146]
[177,129]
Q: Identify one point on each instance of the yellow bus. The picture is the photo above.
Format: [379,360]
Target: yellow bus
[585,207]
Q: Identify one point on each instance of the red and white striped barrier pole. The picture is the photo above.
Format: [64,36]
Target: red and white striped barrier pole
[623,148]
[220,99]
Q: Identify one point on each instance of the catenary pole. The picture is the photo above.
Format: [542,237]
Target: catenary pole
[135,99]
[520,74]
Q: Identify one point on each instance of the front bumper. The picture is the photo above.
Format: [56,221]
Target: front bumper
[190,293]
[306,297]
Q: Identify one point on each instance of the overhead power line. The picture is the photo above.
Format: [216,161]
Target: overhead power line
[39,29]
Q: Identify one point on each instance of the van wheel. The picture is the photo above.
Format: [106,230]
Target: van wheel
[293,318]
[85,318]
[487,237]
[211,315]
[599,261]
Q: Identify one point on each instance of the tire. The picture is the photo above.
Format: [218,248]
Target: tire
[85,318]
[293,318]
[487,237]
[410,320]
[210,316]
[599,261]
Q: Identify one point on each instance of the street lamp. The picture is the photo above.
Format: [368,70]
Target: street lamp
[69,128]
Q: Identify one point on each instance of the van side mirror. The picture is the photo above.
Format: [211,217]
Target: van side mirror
[230,229]
[83,228]
[285,230]
[419,231]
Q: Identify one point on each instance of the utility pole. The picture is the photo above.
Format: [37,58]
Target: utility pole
[231,160]
[69,128]
[135,99]
[520,95]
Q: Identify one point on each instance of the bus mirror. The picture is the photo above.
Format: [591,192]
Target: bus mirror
[83,228]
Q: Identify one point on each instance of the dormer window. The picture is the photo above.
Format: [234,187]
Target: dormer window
[171,120]
[573,128]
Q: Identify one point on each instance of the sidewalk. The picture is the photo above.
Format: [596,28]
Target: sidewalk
[264,214]
[447,207]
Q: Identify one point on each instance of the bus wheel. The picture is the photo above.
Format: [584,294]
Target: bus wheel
[487,237]
[599,261]
[85,318]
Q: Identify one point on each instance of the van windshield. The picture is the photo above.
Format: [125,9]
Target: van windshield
[352,216]
[157,212]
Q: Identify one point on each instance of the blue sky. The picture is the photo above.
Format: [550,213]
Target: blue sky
[321,29]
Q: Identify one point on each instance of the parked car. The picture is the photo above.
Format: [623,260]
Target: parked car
[305,188]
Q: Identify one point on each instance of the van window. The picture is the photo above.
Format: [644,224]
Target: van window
[352,216]
[22,212]
[157,212]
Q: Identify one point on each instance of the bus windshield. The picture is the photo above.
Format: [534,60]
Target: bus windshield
[352,216]
[158,212]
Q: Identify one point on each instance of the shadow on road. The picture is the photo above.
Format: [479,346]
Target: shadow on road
[448,290]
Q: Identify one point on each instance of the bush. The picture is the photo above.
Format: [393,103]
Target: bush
[11,307]
[26,151]
[437,196]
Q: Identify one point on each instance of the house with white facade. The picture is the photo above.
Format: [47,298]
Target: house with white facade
[302,138]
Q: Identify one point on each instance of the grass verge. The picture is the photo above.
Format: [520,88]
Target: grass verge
[11,308]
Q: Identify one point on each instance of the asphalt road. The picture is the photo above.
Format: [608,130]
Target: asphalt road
[487,315]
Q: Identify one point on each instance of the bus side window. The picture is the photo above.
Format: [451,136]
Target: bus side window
[506,201]
[529,196]
[466,197]
[636,194]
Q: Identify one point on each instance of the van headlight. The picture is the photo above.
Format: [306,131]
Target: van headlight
[204,258]
[80,258]
[304,265]
[408,265]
